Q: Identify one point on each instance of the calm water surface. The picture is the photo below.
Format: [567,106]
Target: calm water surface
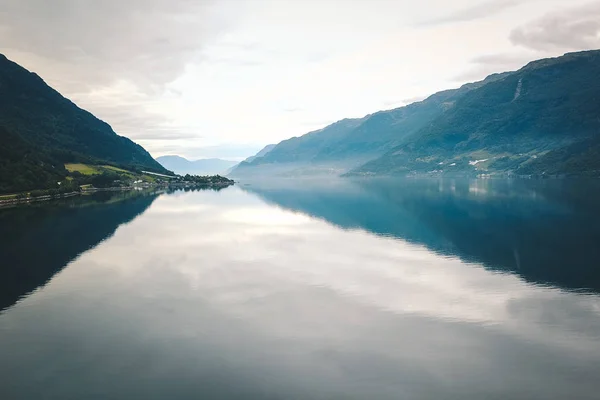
[415,289]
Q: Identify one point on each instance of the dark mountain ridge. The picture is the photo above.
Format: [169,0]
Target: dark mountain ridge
[40,130]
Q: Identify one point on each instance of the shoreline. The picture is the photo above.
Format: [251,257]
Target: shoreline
[27,200]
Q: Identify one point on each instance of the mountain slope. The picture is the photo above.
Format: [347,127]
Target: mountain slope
[39,121]
[261,153]
[182,166]
[542,119]
[351,142]
[23,167]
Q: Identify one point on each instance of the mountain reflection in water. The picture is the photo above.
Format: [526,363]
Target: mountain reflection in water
[547,231]
[38,241]
[374,289]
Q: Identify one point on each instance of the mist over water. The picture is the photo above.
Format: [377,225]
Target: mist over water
[343,289]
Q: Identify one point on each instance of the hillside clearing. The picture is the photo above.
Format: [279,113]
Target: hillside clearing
[87,169]
[84,169]
[116,169]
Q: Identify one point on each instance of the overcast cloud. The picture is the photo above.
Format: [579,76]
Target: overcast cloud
[147,42]
[569,29]
[206,78]
[481,9]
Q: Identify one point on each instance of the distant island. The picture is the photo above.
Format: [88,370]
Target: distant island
[542,120]
[51,148]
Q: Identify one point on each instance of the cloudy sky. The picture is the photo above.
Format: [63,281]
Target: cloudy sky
[208,78]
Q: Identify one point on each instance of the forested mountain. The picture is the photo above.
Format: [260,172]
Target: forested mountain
[543,119]
[23,166]
[182,166]
[40,131]
[350,143]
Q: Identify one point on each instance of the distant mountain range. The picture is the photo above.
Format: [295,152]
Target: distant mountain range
[209,166]
[40,131]
[543,119]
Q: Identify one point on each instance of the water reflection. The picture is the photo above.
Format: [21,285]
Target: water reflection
[38,241]
[219,295]
[546,231]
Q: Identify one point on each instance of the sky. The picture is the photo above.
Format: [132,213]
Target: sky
[208,78]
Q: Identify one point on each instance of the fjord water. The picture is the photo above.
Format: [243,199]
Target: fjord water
[378,289]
